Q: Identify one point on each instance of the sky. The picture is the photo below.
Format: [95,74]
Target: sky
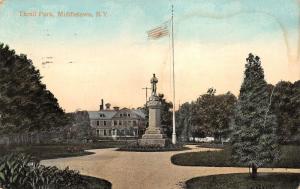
[86,59]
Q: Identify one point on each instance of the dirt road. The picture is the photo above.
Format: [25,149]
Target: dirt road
[142,170]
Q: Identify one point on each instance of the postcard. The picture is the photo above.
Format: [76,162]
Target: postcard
[137,94]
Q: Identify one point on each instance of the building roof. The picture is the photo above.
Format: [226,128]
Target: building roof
[108,114]
[139,113]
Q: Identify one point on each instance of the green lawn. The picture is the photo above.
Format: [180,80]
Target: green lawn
[48,151]
[290,158]
[51,151]
[244,181]
[96,183]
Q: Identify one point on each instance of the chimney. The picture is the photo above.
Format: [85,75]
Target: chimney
[116,108]
[101,105]
[107,106]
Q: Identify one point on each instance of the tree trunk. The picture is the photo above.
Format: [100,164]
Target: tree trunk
[253,171]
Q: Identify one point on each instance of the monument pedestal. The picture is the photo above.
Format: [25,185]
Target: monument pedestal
[152,142]
[153,135]
[153,138]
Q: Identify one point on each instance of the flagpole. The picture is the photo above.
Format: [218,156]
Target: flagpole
[174,120]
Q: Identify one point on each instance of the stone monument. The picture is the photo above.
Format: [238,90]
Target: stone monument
[153,135]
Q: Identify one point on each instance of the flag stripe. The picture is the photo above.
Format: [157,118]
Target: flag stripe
[158,32]
[158,35]
[157,29]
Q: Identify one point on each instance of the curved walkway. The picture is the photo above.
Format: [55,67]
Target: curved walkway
[146,170]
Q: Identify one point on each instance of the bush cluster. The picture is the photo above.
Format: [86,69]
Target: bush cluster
[151,148]
[24,171]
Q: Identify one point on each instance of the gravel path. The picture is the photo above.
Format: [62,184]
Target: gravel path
[143,170]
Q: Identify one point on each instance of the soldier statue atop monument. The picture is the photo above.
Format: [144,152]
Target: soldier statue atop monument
[154,81]
[154,134]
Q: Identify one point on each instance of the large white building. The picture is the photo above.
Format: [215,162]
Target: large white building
[117,122]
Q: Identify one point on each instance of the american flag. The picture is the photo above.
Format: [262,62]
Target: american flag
[158,32]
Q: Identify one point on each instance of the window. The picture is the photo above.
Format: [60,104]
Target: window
[104,123]
[115,122]
[121,115]
[128,115]
[97,132]
[97,123]
[104,132]
[135,123]
[120,123]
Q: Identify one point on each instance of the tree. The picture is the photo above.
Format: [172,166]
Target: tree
[205,107]
[25,103]
[166,111]
[296,116]
[209,115]
[183,121]
[286,106]
[223,112]
[80,125]
[254,140]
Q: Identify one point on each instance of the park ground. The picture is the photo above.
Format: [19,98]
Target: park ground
[145,170]
[53,151]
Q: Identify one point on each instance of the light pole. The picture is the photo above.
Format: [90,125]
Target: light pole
[146,88]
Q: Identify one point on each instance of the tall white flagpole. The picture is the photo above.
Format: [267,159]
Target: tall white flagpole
[174,120]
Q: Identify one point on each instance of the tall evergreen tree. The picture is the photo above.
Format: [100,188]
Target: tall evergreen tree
[25,103]
[254,140]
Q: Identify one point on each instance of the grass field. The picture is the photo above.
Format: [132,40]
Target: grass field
[96,183]
[51,151]
[244,181]
[290,158]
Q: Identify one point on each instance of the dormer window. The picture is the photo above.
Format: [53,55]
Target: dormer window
[101,115]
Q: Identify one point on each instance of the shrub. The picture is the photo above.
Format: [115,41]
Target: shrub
[23,171]
[152,148]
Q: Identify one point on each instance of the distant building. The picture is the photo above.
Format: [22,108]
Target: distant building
[117,122]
